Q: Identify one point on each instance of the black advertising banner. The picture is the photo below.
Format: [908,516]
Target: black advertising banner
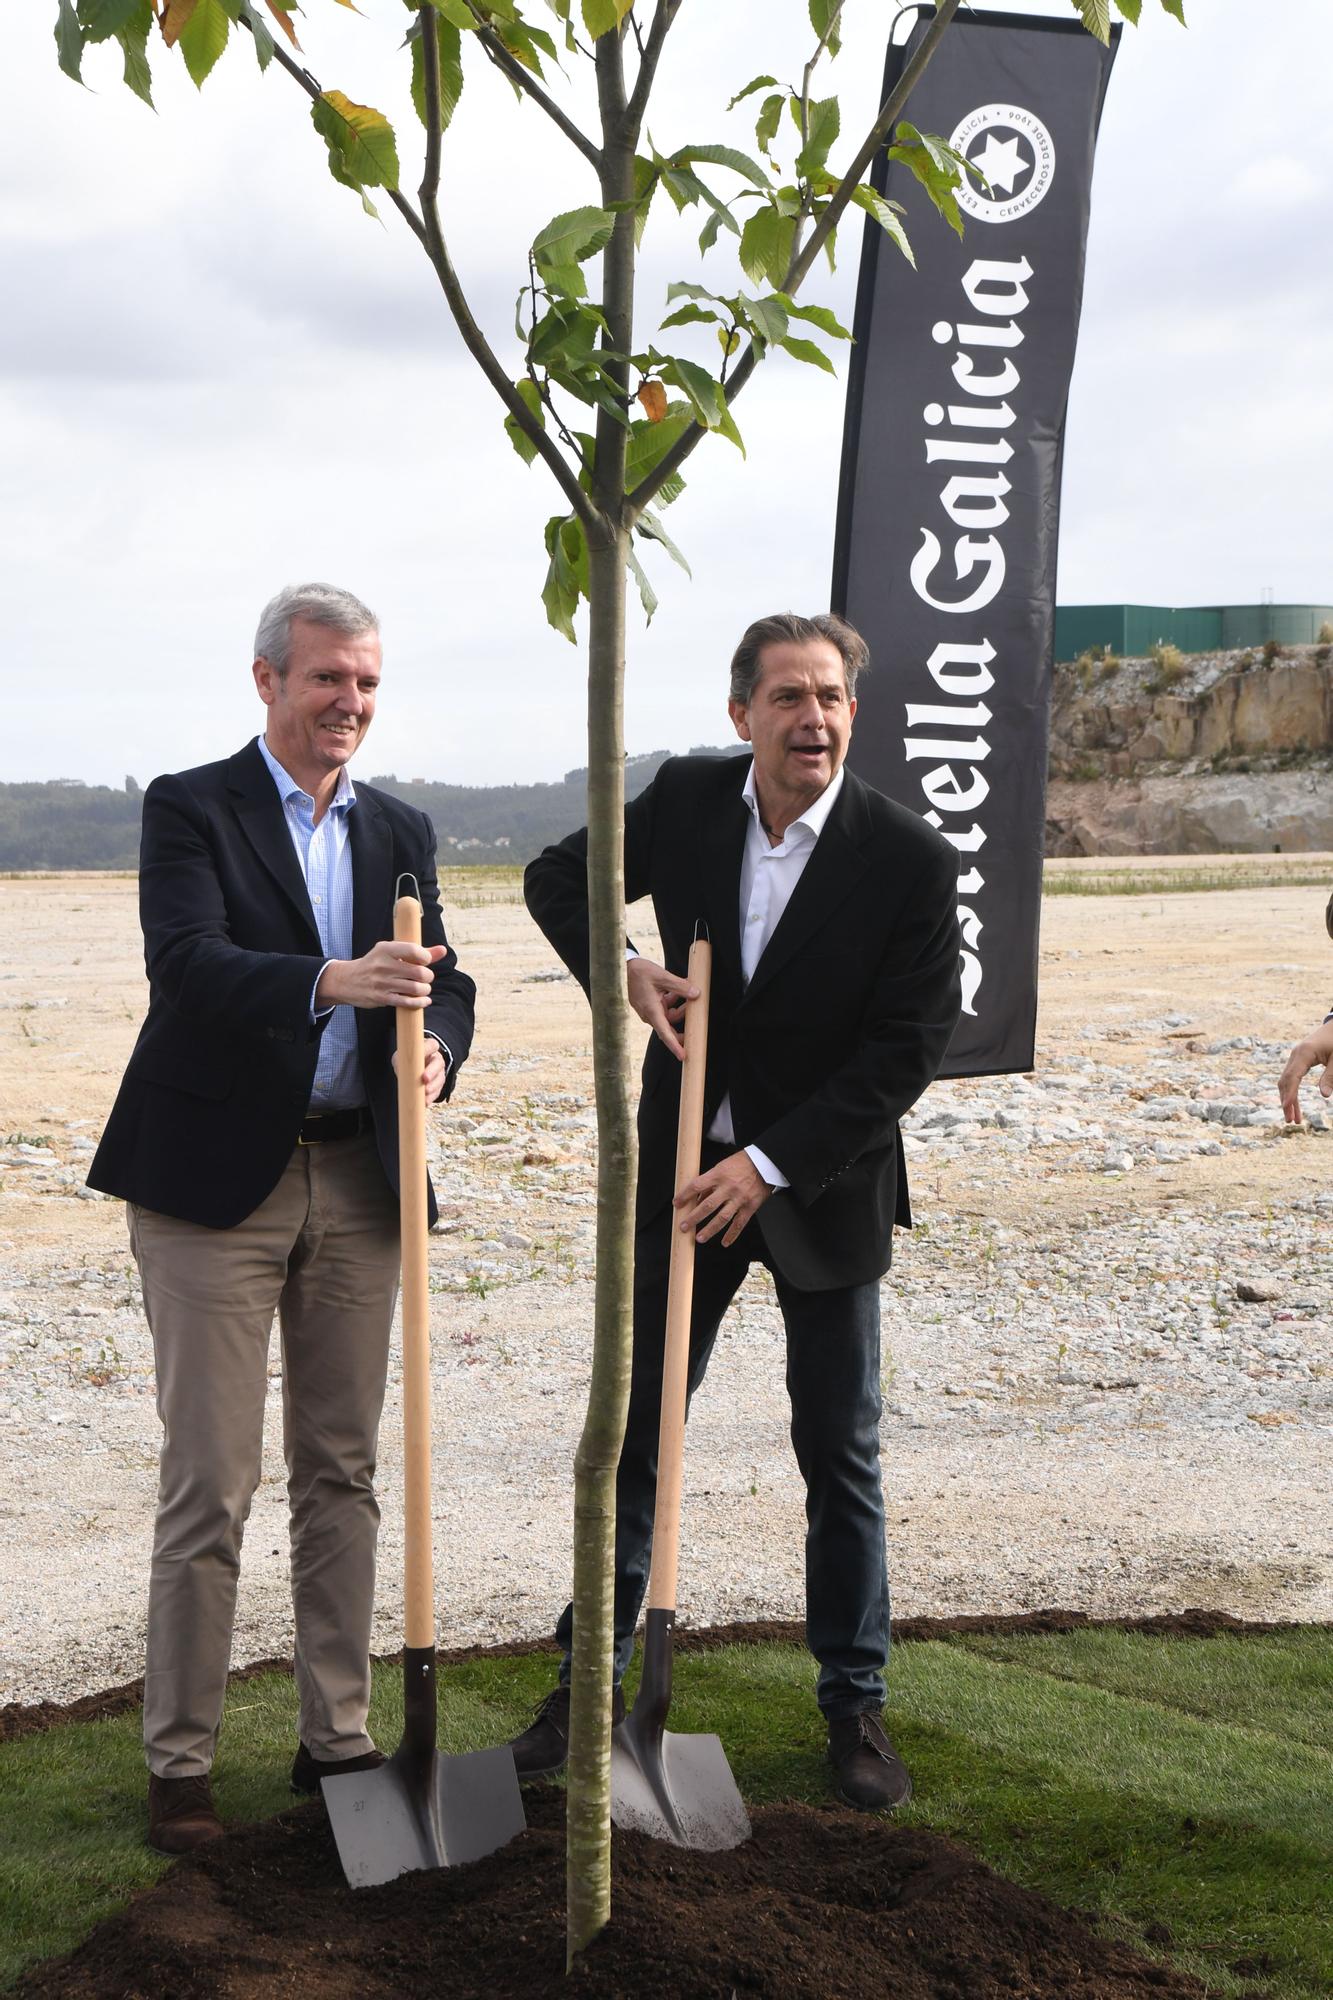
[950,493]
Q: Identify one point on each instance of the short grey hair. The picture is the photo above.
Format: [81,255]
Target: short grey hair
[782,626]
[321,604]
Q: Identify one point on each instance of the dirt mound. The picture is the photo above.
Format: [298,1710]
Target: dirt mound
[821,1902]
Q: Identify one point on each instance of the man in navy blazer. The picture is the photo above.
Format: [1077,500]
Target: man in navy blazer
[832,915]
[254,1140]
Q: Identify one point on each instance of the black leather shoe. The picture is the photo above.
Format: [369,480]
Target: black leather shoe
[307,1769]
[181,1814]
[544,1745]
[868,1772]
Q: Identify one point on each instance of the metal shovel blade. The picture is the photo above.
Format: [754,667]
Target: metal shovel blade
[422,1810]
[672,1787]
[433,1813]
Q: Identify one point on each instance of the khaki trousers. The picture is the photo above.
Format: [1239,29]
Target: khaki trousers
[321,1252]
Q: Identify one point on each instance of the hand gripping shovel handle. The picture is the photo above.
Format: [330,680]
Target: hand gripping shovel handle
[419,1581]
[680,1292]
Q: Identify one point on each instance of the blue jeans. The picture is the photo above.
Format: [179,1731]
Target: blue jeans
[833,1385]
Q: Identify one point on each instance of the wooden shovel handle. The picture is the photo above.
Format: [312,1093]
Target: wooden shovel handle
[419,1581]
[680,1292]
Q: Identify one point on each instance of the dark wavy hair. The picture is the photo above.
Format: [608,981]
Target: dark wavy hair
[781,626]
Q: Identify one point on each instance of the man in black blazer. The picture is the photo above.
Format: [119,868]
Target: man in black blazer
[254,1139]
[832,915]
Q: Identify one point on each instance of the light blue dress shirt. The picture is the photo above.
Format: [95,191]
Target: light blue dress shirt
[325,862]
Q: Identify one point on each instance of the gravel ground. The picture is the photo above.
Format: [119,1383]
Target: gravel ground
[1108,1362]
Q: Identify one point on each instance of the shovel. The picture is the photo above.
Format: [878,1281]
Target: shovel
[676,1788]
[420,1809]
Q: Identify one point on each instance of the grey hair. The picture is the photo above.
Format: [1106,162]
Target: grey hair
[321,604]
[784,626]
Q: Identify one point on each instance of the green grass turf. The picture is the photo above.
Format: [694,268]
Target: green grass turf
[1185,1782]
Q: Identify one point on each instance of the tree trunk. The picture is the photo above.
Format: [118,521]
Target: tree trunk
[588,1862]
[588,1884]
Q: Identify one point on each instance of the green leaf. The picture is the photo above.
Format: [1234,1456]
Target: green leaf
[601,16]
[69,41]
[263,40]
[568,239]
[564,337]
[755,83]
[688,315]
[1176,9]
[1096,17]
[766,242]
[699,387]
[523,42]
[824,125]
[886,214]
[457,13]
[821,13]
[101,19]
[451,70]
[647,595]
[767,318]
[649,444]
[770,117]
[362,152]
[517,436]
[567,575]
[1131,9]
[936,166]
[819,316]
[724,156]
[133,39]
[203,38]
[728,429]
[652,530]
[805,350]
[708,234]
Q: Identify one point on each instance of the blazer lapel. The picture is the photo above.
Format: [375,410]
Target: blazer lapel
[372,864]
[830,875]
[721,849]
[259,810]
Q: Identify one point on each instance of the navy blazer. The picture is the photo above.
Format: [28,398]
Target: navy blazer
[844,1023]
[209,1108]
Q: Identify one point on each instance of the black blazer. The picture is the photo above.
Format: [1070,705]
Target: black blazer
[210,1105]
[843,1025]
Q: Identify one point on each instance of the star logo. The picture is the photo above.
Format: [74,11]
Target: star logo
[1002,162]
[1012,148]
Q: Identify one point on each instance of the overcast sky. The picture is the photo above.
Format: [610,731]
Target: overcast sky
[216,376]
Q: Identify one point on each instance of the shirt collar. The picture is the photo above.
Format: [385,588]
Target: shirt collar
[814,816]
[344,794]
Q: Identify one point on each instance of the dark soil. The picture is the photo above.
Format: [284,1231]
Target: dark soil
[821,1904]
[29,1718]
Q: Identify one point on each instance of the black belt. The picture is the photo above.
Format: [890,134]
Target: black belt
[324,1125]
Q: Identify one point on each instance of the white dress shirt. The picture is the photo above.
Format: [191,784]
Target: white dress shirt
[326,868]
[323,856]
[768,879]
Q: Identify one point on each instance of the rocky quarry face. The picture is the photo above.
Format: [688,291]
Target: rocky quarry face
[1211,753]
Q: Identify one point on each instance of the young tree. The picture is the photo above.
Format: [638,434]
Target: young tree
[649,407]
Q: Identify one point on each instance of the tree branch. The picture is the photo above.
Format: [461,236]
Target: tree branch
[523,79]
[799,266]
[651,53]
[473,338]
[889,113]
[303,79]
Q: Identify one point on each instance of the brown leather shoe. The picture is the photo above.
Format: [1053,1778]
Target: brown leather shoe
[180,1814]
[543,1747]
[868,1771]
[307,1769]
